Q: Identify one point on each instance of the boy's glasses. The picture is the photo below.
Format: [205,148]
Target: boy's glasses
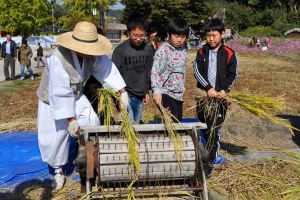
[137,36]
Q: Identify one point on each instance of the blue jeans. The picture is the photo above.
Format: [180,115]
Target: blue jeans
[135,109]
[23,70]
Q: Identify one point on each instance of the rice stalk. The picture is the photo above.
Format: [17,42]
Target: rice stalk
[176,138]
[131,136]
[105,105]
[262,106]
[211,108]
[273,178]
[292,193]
[270,104]
[293,156]
[133,154]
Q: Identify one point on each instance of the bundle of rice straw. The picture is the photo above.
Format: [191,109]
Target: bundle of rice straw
[131,136]
[262,106]
[175,137]
[211,108]
[106,105]
[133,153]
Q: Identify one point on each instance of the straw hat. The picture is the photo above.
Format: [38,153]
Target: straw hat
[84,39]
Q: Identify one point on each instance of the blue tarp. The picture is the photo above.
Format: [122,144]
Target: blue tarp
[20,159]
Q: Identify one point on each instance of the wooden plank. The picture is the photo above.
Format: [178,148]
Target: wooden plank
[143,138]
[152,168]
[144,127]
[143,176]
[90,159]
[146,157]
[119,148]
[151,171]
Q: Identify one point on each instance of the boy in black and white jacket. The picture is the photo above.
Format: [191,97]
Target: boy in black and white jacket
[216,70]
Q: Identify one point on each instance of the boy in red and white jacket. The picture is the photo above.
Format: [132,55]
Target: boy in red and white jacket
[216,70]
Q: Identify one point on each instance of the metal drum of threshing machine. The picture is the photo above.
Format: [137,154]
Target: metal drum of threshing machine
[103,160]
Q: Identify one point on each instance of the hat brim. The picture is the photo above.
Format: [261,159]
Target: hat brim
[100,47]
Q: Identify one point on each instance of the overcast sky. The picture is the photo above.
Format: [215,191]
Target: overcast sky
[118,6]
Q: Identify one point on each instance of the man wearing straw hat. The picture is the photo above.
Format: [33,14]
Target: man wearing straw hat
[62,106]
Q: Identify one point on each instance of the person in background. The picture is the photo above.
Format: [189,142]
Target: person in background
[9,53]
[268,41]
[39,56]
[168,71]
[153,40]
[216,70]
[134,59]
[257,42]
[25,54]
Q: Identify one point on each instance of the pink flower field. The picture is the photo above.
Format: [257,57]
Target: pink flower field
[278,46]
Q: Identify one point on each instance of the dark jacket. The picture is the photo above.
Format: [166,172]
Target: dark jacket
[13,49]
[227,68]
[39,52]
[134,64]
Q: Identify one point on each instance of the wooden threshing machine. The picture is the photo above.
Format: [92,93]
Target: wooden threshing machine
[103,162]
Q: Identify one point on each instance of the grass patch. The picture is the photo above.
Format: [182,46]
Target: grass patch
[18,105]
[14,86]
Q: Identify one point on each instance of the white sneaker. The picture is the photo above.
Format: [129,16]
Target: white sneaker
[32,77]
[58,182]
[22,78]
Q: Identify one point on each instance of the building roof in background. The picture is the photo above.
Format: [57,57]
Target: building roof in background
[116,27]
[297,30]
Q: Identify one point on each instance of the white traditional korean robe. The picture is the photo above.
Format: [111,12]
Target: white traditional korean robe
[53,137]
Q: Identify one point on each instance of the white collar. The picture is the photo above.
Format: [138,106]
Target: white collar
[79,69]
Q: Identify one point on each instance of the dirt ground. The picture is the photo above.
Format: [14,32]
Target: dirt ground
[242,132]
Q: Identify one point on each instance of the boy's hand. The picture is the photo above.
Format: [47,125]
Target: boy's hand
[146,99]
[212,92]
[157,98]
[223,93]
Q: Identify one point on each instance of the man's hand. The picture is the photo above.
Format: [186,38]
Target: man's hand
[73,127]
[157,98]
[146,99]
[212,92]
[124,101]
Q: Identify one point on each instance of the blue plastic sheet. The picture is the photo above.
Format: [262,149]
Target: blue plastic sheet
[20,158]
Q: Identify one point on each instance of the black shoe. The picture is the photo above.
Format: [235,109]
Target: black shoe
[208,167]
[7,79]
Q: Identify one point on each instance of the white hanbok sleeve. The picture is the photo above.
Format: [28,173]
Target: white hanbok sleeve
[106,72]
[61,96]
